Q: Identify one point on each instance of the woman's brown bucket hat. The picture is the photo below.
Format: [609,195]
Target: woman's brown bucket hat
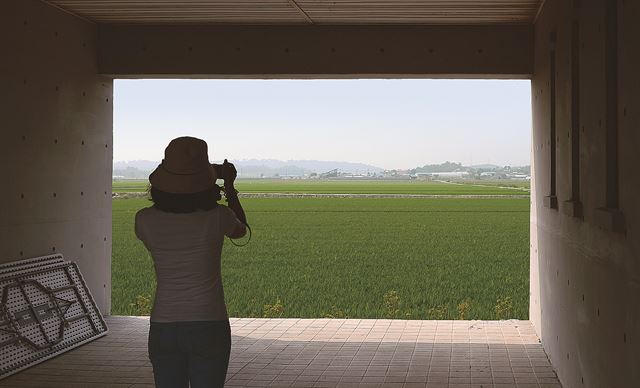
[185,168]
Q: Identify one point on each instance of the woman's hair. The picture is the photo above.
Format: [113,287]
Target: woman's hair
[185,203]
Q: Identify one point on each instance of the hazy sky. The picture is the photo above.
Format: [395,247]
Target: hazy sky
[386,123]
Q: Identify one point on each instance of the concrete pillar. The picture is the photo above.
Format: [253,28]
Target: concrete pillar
[56,142]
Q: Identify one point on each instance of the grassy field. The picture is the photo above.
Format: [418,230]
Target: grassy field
[506,183]
[354,187]
[357,257]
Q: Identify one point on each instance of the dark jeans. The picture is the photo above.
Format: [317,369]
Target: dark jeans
[190,352]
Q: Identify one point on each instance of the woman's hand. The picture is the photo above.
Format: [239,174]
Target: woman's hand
[229,173]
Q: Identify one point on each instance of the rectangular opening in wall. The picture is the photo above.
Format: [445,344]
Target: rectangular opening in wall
[367,198]
[573,206]
[611,65]
[610,216]
[551,200]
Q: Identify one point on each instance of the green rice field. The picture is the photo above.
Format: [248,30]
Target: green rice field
[356,187]
[409,258]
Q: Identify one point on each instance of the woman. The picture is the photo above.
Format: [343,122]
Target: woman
[189,335]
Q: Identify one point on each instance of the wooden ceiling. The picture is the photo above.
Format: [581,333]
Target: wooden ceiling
[303,11]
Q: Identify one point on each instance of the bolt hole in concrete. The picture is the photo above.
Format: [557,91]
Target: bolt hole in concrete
[368,198]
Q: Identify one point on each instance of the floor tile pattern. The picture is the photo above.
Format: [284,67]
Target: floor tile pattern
[323,353]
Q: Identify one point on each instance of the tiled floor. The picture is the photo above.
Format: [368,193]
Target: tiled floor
[323,353]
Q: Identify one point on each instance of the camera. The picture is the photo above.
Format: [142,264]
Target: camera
[223,168]
[218,169]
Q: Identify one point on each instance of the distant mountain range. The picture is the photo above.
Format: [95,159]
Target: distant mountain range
[485,166]
[256,167]
[478,168]
[145,165]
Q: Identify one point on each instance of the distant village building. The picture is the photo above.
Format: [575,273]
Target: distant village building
[450,174]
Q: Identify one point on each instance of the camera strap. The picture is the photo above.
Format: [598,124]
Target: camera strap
[248,240]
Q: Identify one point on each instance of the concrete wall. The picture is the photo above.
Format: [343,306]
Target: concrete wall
[316,51]
[585,242]
[56,142]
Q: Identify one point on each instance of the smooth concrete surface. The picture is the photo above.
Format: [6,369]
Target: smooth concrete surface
[500,51]
[585,256]
[56,146]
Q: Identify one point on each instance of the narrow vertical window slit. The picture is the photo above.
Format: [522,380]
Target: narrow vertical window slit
[573,207]
[551,201]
